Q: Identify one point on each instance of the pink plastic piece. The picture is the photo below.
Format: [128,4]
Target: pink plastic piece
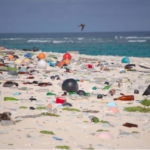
[114,110]
[105,135]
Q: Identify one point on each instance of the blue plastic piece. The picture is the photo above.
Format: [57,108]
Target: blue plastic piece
[57,138]
[60,105]
[82,78]
[125,60]
[16,93]
[112,104]
[28,55]
[51,64]
[23,69]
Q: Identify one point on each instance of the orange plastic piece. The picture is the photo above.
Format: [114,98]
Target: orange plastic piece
[11,56]
[67,61]
[60,64]
[41,56]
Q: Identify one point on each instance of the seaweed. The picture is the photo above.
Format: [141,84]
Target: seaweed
[47,132]
[85,121]
[145,102]
[71,109]
[39,108]
[49,114]
[137,108]
[102,121]
[95,120]
[23,107]
[135,132]
[63,147]
[101,130]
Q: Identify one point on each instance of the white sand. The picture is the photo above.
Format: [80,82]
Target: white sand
[70,126]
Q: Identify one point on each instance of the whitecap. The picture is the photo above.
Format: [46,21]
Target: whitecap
[136,41]
[39,41]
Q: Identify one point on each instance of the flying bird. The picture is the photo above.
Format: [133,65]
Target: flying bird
[82,25]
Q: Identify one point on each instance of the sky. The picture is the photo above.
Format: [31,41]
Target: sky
[46,16]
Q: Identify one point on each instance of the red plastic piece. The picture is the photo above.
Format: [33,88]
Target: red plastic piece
[3,65]
[67,56]
[30,77]
[60,100]
[90,66]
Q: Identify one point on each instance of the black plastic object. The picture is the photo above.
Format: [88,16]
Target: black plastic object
[67,104]
[35,82]
[65,65]
[147,91]
[32,108]
[35,49]
[136,91]
[81,92]
[56,76]
[16,57]
[129,66]
[57,62]
[99,96]
[52,77]
[32,99]
[107,83]
[10,84]
[1,60]
[144,67]
[24,49]
[70,85]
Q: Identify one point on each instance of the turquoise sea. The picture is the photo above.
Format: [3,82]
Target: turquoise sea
[135,44]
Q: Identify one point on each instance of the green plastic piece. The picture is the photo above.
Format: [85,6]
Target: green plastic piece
[107,87]
[10,99]
[50,94]
[70,93]
[94,88]
[77,80]
[87,94]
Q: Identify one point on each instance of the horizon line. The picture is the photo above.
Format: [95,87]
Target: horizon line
[69,32]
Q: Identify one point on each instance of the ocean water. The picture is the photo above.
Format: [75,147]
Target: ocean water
[136,44]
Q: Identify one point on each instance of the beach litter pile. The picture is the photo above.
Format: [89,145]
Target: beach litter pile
[73,101]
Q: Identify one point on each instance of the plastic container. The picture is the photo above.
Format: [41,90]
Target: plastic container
[60,100]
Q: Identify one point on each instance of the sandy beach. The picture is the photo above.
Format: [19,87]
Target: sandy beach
[72,125]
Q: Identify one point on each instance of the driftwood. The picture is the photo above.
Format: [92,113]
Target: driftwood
[7,52]
[73,52]
[30,116]
[87,59]
[91,111]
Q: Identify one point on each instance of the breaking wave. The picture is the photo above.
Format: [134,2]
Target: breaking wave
[136,41]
